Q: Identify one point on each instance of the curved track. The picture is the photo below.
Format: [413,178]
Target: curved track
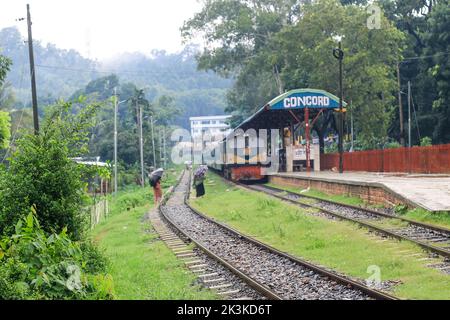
[431,238]
[271,272]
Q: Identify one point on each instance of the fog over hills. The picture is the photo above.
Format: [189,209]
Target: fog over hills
[60,73]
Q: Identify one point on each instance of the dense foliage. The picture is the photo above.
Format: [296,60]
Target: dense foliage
[41,174]
[163,110]
[276,45]
[45,254]
[5,133]
[35,265]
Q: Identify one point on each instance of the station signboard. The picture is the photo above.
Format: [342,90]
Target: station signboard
[305,98]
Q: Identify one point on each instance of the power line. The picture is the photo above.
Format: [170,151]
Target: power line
[425,57]
[417,121]
[155,73]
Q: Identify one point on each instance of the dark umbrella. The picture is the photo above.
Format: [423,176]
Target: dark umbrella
[155,176]
[157,173]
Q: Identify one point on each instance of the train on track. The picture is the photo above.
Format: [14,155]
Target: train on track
[240,162]
[276,138]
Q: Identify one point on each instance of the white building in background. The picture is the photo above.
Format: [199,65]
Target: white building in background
[209,125]
[206,132]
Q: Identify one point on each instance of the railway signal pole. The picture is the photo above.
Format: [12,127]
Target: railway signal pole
[339,54]
[32,74]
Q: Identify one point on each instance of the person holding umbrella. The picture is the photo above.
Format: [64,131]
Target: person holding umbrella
[155,182]
[199,178]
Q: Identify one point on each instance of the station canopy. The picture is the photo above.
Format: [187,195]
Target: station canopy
[290,108]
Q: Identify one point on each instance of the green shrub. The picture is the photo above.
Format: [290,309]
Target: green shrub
[5,126]
[96,261]
[36,266]
[41,174]
[401,209]
[129,201]
[426,141]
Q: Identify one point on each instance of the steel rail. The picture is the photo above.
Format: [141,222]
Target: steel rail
[422,244]
[373,293]
[265,291]
[371,211]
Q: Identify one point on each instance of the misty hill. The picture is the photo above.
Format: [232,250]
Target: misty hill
[61,73]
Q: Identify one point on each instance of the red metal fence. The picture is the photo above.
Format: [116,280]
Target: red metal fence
[433,159]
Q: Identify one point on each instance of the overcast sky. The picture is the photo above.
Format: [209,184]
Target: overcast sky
[103,28]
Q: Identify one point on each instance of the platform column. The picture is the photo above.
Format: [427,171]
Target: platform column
[308,145]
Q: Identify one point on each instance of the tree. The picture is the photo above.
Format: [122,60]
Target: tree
[275,46]
[163,109]
[437,40]
[5,133]
[41,174]
[5,124]
[238,35]
[5,64]
[369,63]
[413,18]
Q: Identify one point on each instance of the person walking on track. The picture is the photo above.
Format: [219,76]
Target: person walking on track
[155,182]
[199,178]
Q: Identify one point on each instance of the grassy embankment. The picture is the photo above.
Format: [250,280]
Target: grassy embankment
[339,245]
[421,215]
[141,265]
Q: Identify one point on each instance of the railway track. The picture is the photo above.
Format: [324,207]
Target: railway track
[210,274]
[431,238]
[274,274]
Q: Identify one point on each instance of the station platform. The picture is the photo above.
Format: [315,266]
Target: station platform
[430,192]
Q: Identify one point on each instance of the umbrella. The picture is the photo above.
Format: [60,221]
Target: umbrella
[155,176]
[201,172]
[157,173]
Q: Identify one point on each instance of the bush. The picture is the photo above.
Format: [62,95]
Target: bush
[5,125]
[426,141]
[129,201]
[96,261]
[42,175]
[36,266]
[392,145]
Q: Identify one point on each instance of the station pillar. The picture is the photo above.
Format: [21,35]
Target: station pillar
[308,144]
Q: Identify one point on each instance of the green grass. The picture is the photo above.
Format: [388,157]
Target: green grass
[421,215]
[339,245]
[141,265]
[437,218]
[355,201]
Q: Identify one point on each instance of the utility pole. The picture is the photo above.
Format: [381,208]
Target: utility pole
[141,143]
[153,142]
[115,140]
[164,148]
[339,54]
[160,147]
[400,106]
[409,114]
[32,74]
